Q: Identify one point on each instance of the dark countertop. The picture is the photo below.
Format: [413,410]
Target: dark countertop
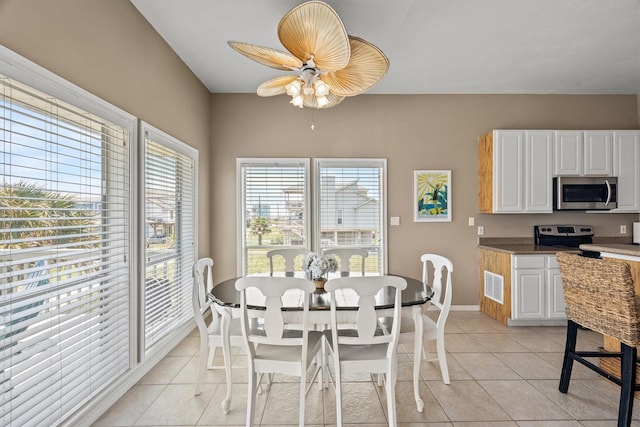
[526,246]
[519,246]
[614,248]
[526,249]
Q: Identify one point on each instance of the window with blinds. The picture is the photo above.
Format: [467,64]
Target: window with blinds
[350,207]
[170,230]
[64,250]
[273,206]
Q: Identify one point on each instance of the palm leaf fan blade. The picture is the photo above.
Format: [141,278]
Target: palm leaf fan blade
[273,58]
[275,86]
[314,30]
[366,68]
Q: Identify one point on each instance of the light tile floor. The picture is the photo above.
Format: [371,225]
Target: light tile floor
[500,377]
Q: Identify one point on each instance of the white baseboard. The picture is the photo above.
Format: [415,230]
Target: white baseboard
[465,308]
[459,308]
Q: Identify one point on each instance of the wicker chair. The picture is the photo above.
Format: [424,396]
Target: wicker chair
[600,296]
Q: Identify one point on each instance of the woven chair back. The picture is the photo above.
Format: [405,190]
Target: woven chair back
[599,295]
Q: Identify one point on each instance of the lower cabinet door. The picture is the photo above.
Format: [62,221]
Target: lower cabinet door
[555,296]
[529,298]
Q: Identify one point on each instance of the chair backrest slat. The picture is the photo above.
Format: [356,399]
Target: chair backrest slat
[271,329]
[367,329]
[441,295]
[289,255]
[345,255]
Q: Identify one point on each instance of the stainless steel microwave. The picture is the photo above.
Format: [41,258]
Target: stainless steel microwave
[585,193]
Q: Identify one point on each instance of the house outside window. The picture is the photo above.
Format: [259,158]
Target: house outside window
[350,208]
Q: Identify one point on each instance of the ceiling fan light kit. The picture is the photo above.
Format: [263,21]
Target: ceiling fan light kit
[330,65]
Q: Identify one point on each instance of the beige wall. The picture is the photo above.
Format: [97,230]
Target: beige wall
[107,48]
[110,50]
[412,132]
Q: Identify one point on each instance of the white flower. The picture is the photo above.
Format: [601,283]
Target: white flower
[317,266]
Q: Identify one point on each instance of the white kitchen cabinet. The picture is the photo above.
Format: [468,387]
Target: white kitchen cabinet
[583,153]
[626,166]
[529,301]
[538,179]
[516,167]
[537,290]
[516,172]
[508,171]
[555,295]
[598,152]
[569,146]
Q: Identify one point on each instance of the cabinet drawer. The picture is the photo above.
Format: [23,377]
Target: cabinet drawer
[552,262]
[533,261]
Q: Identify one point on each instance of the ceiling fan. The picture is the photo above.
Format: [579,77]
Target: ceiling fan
[329,63]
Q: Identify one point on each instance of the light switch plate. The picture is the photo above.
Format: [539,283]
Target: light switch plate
[395,220]
[472,221]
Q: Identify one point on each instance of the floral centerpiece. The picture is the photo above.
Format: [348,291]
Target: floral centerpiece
[317,266]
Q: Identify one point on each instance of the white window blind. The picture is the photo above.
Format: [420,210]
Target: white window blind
[273,206]
[350,207]
[170,230]
[64,251]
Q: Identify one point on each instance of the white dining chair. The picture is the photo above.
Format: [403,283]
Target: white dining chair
[345,255]
[418,330]
[273,348]
[368,348]
[289,255]
[211,334]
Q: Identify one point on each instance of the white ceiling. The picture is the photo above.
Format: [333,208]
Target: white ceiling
[434,46]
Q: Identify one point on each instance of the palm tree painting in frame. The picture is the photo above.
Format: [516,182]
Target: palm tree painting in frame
[432,196]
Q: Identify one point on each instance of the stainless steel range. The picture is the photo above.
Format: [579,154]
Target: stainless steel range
[563,236]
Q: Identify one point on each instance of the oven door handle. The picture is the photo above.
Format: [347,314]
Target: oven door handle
[606,181]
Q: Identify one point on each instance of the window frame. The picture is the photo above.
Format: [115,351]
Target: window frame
[28,73]
[148,131]
[381,163]
[241,208]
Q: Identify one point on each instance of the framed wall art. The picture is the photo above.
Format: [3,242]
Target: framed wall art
[432,196]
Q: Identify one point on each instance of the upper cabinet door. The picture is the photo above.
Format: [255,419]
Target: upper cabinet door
[598,151]
[626,166]
[508,171]
[568,153]
[538,171]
